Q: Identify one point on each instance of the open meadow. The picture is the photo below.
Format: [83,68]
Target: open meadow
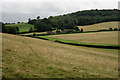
[23,27]
[25,57]
[110,37]
[100,26]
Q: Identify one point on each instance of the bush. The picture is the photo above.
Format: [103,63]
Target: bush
[104,30]
[31,29]
[119,29]
[13,30]
[77,29]
[110,29]
[115,29]
[57,32]
[34,34]
[81,29]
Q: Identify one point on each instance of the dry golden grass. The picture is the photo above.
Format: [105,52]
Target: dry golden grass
[104,25]
[98,37]
[33,33]
[25,57]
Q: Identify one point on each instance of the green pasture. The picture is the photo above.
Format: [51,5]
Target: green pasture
[23,27]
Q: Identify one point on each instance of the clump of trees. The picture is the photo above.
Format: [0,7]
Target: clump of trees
[1,26]
[9,29]
[48,25]
[42,25]
[110,29]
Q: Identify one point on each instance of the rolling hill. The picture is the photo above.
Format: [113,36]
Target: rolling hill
[72,20]
[88,17]
[99,26]
[25,57]
[110,37]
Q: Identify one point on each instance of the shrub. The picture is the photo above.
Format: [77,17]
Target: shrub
[77,29]
[110,29]
[57,32]
[115,29]
[81,29]
[31,29]
[13,30]
[34,34]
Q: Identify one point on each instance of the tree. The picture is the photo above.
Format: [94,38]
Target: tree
[32,21]
[41,26]
[81,18]
[2,27]
[45,20]
[76,28]
[81,29]
[31,29]
[110,29]
[29,19]
[13,30]
[18,22]
[50,17]
[115,29]
[38,17]
[17,29]
[34,34]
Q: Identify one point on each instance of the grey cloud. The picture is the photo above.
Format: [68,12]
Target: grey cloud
[21,11]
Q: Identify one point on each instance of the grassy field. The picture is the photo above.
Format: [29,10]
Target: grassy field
[23,27]
[97,37]
[25,57]
[33,33]
[104,25]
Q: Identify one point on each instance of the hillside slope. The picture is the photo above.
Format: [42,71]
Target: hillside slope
[79,18]
[99,26]
[25,57]
[87,17]
[110,37]
[23,27]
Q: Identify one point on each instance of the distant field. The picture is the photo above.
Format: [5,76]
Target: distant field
[23,27]
[104,25]
[33,33]
[98,37]
[25,57]
[37,33]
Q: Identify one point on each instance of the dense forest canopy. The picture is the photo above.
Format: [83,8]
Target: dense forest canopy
[69,21]
[88,17]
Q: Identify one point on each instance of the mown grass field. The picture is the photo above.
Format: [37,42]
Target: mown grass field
[104,25]
[33,33]
[23,27]
[110,37]
[25,57]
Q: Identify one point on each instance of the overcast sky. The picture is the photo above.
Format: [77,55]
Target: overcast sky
[21,10]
